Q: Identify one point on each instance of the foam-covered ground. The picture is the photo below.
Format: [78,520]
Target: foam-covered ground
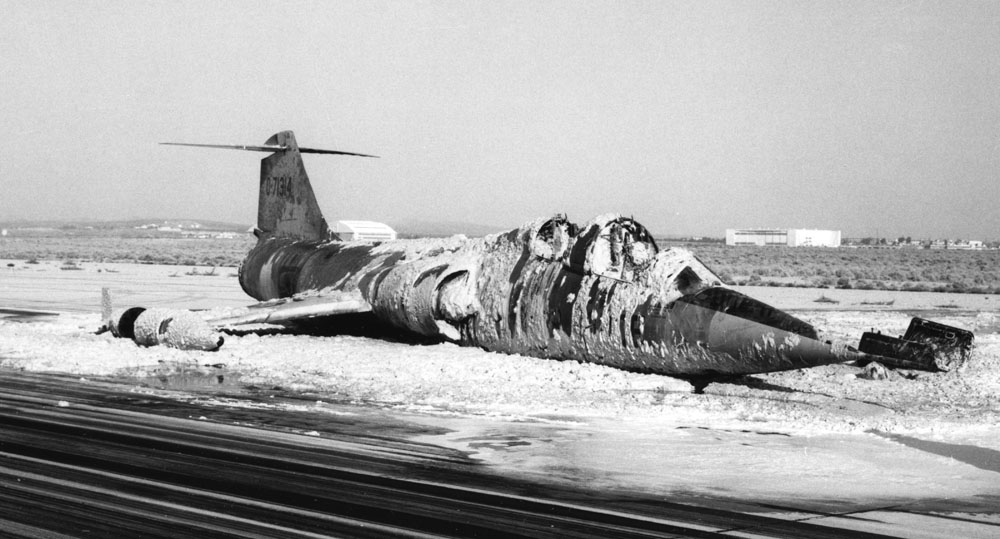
[835,398]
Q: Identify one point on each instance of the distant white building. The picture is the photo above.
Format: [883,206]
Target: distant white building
[969,245]
[792,237]
[364,230]
[756,236]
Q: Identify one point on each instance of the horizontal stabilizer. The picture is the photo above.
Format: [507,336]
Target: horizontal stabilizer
[267,148]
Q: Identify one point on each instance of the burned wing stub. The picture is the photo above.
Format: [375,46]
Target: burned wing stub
[926,345]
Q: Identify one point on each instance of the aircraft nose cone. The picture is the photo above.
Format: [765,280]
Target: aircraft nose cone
[730,333]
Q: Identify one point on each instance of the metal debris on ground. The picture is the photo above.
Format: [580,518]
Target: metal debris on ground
[926,345]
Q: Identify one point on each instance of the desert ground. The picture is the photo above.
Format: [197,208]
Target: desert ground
[827,435]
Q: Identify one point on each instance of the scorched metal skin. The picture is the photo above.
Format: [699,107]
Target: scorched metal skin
[603,294]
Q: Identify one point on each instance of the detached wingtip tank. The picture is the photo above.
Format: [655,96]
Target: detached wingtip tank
[174,328]
[603,292]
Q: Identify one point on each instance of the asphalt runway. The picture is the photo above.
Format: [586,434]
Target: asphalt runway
[94,459]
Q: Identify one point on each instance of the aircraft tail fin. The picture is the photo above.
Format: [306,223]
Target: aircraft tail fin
[287,205]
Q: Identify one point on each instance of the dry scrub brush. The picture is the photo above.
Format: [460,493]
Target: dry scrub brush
[883,269]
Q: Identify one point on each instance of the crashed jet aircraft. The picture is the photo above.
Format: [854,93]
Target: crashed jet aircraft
[602,292]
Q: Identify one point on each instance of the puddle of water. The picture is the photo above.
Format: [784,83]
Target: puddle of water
[742,431]
[192,377]
[23,315]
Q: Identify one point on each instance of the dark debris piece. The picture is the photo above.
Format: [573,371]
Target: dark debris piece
[926,345]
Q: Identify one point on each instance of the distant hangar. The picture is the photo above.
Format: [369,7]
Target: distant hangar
[364,231]
[791,237]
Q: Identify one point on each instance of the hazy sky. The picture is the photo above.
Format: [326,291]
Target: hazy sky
[868,117]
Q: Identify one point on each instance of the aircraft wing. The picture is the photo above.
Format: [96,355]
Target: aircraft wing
[299,307]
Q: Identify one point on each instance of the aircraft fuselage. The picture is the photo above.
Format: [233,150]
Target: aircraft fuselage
[604,294]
